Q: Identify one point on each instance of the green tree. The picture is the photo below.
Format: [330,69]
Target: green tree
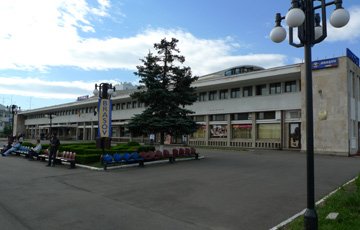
[7,130]
[165,90]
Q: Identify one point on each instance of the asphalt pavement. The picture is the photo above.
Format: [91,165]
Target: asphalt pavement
[225,190]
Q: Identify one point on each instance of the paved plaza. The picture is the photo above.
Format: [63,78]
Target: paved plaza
[225,190]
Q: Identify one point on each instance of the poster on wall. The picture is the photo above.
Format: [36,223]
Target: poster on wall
[218,131]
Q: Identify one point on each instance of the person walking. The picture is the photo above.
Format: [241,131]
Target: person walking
[54,146]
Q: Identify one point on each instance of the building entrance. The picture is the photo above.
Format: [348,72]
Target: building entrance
[295,135]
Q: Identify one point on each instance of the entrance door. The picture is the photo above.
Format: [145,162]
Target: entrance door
[294,135]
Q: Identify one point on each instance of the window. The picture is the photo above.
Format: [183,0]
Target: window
[290,86]
[275,88]
[242,131]
[202,96]
[269,131]
[199,118]
[235,93]
[223,94]
[212,95]
[200,132]
[134,103]
[247,91]
[218,117]
[260,90]
[123,105]
[240,116]
[265,115]
[128,105]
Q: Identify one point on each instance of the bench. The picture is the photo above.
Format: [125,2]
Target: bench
[64,156]
[143,157]
[22,151]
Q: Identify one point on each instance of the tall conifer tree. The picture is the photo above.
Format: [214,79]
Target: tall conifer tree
[165,90]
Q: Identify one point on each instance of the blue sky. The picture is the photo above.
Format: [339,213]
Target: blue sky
[54,51]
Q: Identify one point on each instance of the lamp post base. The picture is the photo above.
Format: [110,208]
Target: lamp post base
[310,219]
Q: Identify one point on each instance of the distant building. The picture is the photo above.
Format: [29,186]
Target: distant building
[240,107]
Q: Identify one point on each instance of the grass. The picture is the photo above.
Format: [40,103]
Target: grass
[346,202]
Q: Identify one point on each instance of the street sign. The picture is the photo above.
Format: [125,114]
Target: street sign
[104,117]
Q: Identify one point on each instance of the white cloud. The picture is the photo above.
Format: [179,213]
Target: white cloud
[43,88]
[40,34]
[350,32]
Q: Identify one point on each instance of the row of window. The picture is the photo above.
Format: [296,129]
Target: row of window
[241,131]
[238,116]
[248,91]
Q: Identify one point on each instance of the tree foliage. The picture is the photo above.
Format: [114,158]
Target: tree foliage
[165,90]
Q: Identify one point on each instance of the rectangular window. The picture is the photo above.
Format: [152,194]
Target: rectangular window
[242,131]
[290,86]
[134,103]
[223,94]
[123,105]
[218,117]
[128,105]
[235,93]
[240,116]
[200,132]
[202,96]
[265,115]
[212,95]
[247,91]
[260,90]
[269,131]
[275,88]
[199,118]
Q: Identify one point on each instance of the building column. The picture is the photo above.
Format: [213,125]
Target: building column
[207,130]
[229,130]
[84,132]
[253,130]
[77,133]
[92,131]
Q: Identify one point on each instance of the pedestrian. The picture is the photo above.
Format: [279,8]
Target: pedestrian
[35,150]
[15,146]
[54,146]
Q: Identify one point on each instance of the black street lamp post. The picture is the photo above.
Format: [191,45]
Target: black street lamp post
[13,109]
[104,91]
[50,116]
[303,16]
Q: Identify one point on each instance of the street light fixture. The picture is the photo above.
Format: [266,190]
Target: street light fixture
[13,109]
[309,31]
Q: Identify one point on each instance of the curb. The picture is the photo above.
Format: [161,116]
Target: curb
[285,222]
[134,165]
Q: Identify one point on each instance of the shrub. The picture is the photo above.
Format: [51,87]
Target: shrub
[133,143]
[87,158]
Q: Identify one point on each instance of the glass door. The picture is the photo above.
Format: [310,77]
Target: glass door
[294,135]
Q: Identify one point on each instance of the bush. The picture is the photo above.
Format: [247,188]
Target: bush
[146,148]
[87,158]
[133,143]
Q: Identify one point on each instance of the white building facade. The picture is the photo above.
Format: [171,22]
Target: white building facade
[241,107]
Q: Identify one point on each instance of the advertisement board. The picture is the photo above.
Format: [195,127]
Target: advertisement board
[104,117]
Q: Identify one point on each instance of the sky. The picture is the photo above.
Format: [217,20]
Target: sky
[53,51]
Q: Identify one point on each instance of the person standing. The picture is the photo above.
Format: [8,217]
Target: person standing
[54,146]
